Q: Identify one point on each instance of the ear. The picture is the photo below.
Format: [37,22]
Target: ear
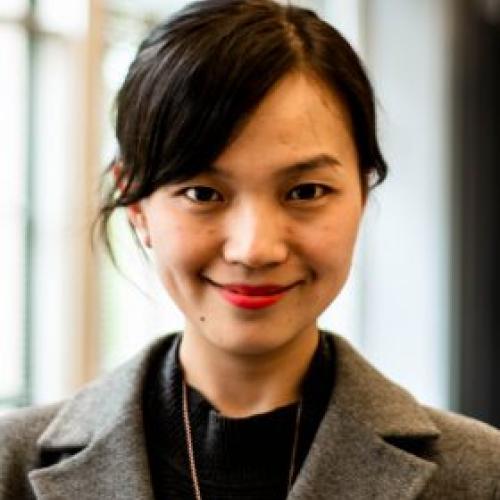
[135,212]
[367,182]
[138,219]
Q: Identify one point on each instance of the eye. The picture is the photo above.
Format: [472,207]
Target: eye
[305,192]
[202,194]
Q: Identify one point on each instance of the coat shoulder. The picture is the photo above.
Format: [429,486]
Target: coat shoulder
[467,453]
[25,419]
[19,432]
[466,437]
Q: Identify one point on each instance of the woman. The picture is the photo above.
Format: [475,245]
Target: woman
[247,152]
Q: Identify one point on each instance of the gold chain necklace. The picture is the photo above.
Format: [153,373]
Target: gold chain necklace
[190,449]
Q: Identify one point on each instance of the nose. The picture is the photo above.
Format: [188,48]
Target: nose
[255,237]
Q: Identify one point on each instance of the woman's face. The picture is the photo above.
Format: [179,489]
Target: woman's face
[279,209]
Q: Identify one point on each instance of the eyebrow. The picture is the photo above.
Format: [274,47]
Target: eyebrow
[299,167]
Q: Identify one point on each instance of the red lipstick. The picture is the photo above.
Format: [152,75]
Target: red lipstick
[253,297]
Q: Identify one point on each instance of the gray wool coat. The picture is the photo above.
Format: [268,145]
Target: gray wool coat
[375,442]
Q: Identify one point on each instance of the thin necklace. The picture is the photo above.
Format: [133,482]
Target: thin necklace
[190,449]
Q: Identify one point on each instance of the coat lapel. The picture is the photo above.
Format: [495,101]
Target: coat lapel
[351,456]
[349,461]
[112,467]
[105,421]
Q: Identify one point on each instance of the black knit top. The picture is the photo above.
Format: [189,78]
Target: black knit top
[236,458]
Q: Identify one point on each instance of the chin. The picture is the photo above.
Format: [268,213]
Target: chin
[249,341]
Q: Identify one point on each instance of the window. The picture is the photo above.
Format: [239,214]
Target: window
[44,144]
[14,210]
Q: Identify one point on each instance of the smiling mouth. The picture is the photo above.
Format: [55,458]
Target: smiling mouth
[250,296]
[253,290]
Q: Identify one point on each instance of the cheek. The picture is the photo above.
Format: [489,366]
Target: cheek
[182,248]
[331,243]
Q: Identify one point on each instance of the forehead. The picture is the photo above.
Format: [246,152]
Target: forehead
[299,119]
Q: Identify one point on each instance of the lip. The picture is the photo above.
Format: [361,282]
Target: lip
[253,296]
[256,290]
[251,301]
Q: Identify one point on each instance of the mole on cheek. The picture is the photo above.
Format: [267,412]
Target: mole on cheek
[202,318]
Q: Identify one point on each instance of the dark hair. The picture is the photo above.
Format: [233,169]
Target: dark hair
[198,76]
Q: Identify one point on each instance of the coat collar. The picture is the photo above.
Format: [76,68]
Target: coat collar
[104,420]
[352,456]
[383,406]
[349,458]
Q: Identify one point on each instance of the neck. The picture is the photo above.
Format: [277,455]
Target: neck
[240,385]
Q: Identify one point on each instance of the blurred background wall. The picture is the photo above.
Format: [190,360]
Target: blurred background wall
[422,302]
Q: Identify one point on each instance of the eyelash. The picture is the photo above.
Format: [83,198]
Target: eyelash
[211,191]
[185,191]
[325,190]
